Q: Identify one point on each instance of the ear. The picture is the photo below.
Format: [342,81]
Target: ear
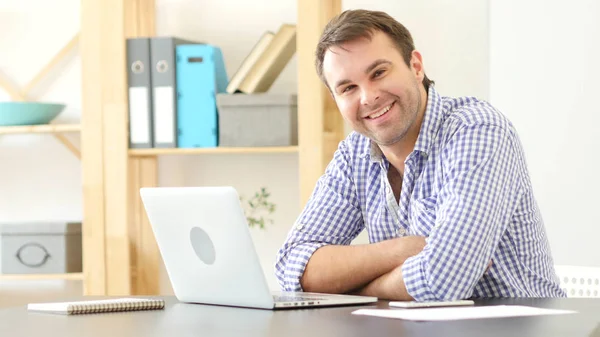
[416,65]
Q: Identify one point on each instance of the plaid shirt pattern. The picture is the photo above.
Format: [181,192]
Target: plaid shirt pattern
[465,187]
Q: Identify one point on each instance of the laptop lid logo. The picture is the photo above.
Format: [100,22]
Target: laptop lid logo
[203,245]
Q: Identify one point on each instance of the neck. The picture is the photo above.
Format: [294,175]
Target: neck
[396,153]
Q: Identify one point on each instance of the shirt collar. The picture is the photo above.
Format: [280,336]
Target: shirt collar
[432,120]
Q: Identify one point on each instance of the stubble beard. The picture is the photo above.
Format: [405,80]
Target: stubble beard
[407,118]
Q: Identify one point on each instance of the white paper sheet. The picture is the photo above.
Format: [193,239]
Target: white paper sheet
[451,314]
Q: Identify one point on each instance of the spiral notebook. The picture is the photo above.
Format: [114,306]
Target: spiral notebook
[98,306]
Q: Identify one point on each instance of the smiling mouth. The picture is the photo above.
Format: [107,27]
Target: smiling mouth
[381,112]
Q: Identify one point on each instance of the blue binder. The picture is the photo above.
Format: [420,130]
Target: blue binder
[200,76]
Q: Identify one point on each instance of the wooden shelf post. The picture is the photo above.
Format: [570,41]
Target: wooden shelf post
[120,254]
[143,172]
[92,148]
[105,25]
[145,256]
[320,125]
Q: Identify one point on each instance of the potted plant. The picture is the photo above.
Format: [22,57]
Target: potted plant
[258,208]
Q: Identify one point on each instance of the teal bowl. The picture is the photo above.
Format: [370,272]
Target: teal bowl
[28,113]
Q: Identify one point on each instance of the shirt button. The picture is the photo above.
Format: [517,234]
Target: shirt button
[401,231]
[299,226]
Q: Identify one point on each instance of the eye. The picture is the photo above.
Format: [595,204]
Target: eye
[378,73]
[348,88]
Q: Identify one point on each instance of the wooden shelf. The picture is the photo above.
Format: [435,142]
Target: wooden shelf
[112,173]
[215,150]
[66,276]
[46,128]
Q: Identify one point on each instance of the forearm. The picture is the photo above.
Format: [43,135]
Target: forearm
[341,269]
[389,286]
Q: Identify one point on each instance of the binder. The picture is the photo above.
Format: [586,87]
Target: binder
[139,84]
[200,76]
[164,90]
[271,62]
[261,45]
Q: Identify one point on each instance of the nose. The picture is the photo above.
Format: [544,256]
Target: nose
[369,96]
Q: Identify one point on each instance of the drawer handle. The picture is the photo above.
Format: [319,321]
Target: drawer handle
[33,265]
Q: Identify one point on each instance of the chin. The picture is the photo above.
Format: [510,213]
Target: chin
[385,143]
[388,139]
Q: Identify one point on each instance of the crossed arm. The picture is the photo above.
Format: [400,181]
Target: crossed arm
[371,269]
[341,269]
[480,190]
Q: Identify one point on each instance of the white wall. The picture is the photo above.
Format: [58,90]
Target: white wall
[450,34]
[544,75]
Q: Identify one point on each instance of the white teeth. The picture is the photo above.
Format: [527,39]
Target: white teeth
[384,110]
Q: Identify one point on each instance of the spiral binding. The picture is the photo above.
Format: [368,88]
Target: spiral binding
[116,306]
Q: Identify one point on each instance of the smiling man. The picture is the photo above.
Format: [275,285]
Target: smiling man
[440,184]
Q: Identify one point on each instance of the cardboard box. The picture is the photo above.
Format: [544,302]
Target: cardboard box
[255,120]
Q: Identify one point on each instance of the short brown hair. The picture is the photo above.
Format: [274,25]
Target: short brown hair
[360,23]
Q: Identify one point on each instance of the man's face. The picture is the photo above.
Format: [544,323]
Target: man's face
[376,92]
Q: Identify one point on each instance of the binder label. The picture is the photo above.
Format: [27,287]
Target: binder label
[164,116]
[139,118]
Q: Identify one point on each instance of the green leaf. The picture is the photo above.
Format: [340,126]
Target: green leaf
[257,208]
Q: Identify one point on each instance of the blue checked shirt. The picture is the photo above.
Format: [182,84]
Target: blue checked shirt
[465,187]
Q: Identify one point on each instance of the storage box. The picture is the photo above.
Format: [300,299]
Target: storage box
[40,248]
[262,119]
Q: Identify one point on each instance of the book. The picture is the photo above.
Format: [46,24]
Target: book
[98,306]
[249,62]
[271,62]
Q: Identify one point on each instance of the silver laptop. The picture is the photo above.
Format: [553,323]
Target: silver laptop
[204,240]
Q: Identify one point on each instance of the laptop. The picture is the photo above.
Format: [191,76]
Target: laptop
[209,255]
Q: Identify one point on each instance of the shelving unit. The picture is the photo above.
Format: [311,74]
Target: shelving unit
[25,129]
[56,130]
[216,150]
[120,255]
[24,277]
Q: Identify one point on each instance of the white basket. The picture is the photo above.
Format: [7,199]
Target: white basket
[579,281]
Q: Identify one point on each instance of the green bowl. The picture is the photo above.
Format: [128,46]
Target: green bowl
[28,113]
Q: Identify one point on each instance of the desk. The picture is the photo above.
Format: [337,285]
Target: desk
[179,319]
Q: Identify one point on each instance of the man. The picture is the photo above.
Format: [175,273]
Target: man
[439,183]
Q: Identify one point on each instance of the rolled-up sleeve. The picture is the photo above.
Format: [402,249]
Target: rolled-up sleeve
[332,216]
[480,191]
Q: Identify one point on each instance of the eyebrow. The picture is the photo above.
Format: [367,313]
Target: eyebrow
[370,68]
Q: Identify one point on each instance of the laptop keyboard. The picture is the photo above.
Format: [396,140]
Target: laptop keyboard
[295,298]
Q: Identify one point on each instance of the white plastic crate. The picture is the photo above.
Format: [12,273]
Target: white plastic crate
[579,281]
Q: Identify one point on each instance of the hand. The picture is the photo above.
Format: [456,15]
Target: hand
[411,245]
[389,286]
[489,266]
